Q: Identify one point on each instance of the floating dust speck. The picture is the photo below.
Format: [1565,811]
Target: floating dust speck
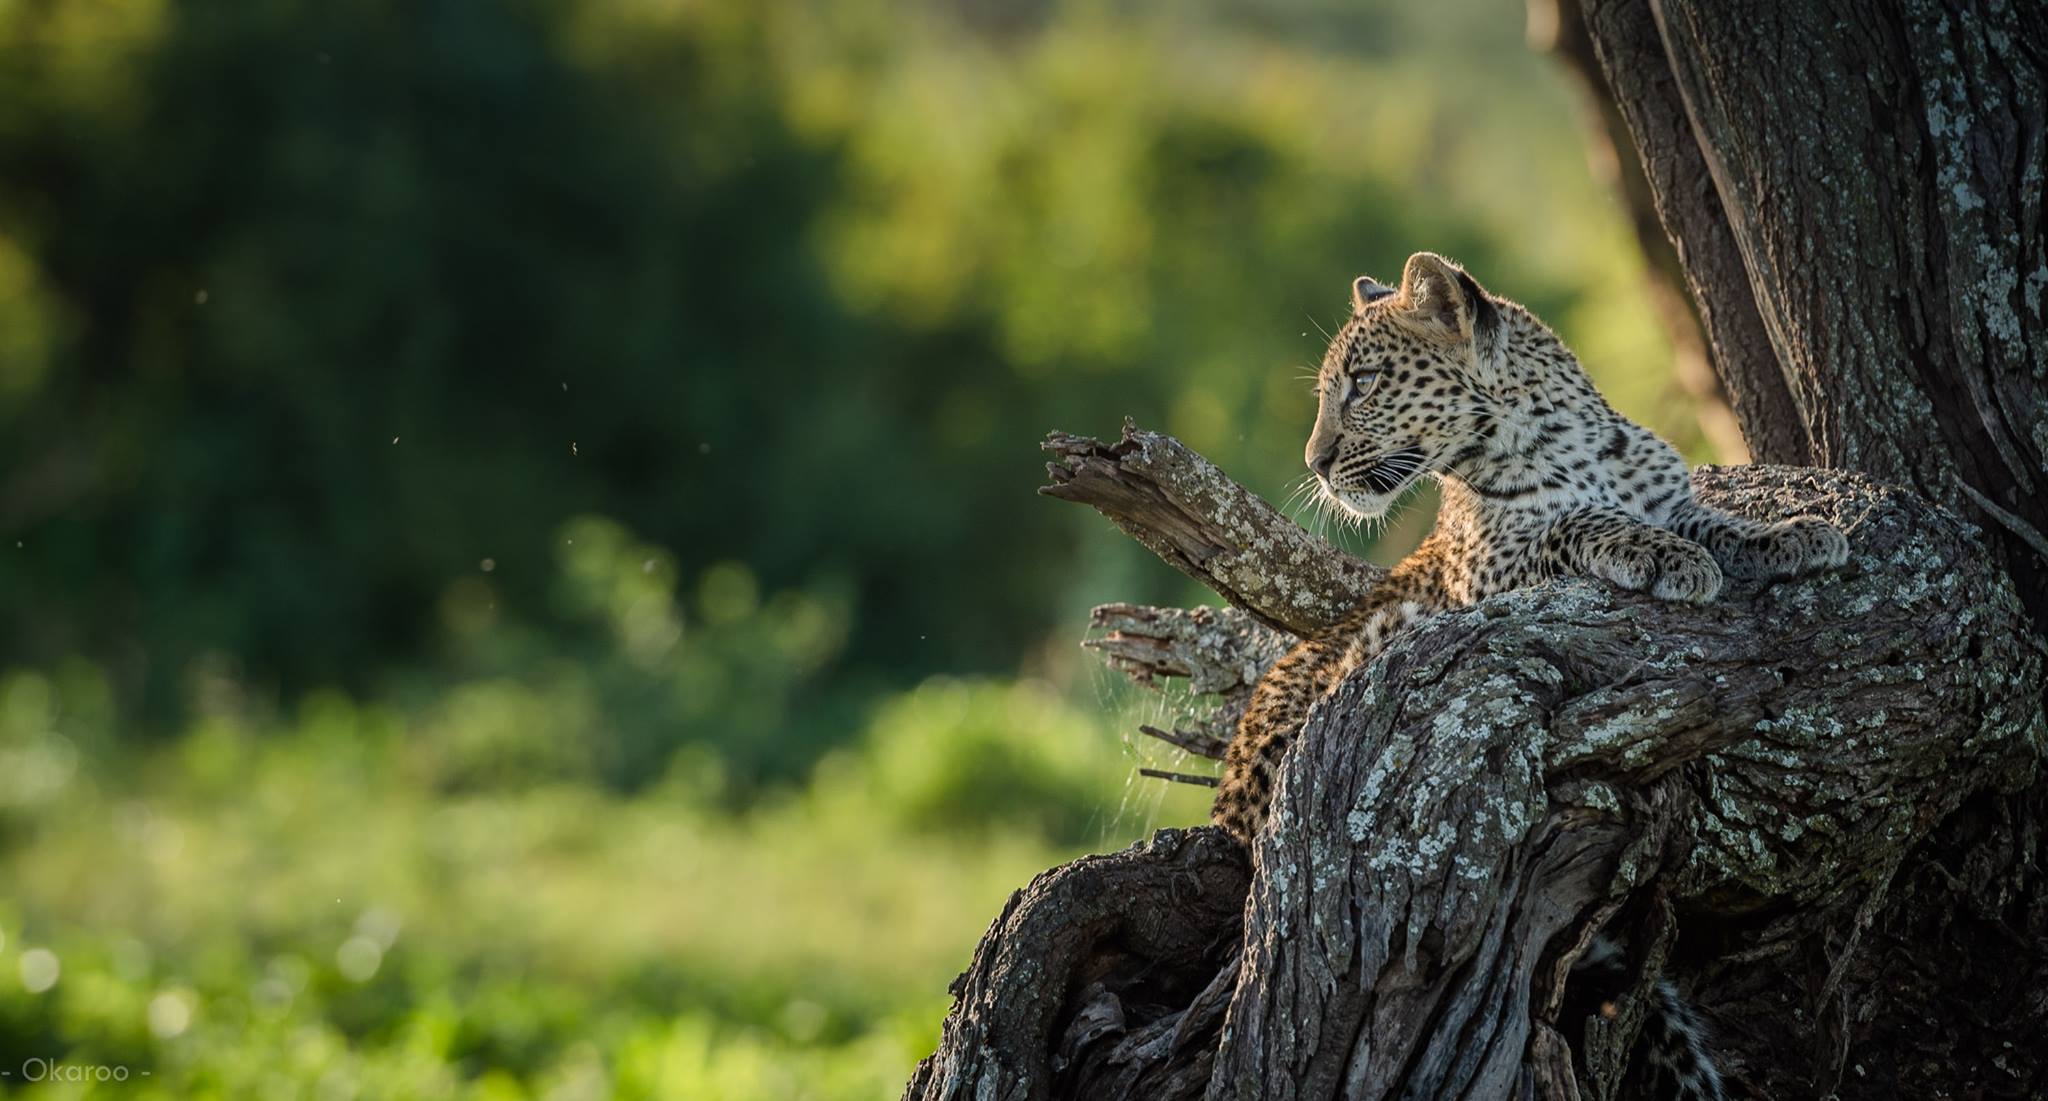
[647,566]
[199,299]
[572,447]
[704,448]
[487,565]
[394,441]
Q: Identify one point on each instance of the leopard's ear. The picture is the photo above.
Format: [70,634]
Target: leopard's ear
[1366,290]
[1439,295]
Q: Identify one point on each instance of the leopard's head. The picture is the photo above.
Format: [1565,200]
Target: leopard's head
[1399,394]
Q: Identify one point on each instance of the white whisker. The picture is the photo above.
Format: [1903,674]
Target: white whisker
[1298,498]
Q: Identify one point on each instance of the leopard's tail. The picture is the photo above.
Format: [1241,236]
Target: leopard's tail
[1272,718]
[1674,1042]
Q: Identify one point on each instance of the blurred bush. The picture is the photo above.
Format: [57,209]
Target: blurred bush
[967,758]
[325,323]
[359,901]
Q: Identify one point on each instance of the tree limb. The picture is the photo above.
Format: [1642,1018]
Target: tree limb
[1106,955]
[1189,513]
[1195,742]
[1179,777]
[1218,650]
[1470,803]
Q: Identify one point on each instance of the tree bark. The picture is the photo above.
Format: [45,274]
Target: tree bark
[1817,806]
[1459,817]
[1508,776]
[1096,979]
[1186,511]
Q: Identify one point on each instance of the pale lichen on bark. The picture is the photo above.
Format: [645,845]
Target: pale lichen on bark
[1181,507]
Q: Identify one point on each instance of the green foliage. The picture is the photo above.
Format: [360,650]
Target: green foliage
[968,758]
[310,309]
[309,909]
[555,481]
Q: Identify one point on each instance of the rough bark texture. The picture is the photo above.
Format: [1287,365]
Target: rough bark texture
[1624,36]
[1186,511]
[1457,819]
[1219,652]
[1094,981]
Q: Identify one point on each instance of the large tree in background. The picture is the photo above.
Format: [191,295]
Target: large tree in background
[1817,806]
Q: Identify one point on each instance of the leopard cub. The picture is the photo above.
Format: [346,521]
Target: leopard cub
[1539,477]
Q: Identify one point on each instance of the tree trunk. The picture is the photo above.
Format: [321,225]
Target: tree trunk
[1816,806]
[1558,27]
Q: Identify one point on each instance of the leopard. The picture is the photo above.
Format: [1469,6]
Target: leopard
[1538,477]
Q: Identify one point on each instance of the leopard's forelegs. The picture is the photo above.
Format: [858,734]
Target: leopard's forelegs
[1609,543]
[1760,551]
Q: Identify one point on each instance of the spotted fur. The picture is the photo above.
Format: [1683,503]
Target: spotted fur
[1676,1062]
[1539,478]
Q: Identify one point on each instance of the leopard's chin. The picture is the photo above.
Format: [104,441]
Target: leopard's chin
[1385,483]
[1363,504]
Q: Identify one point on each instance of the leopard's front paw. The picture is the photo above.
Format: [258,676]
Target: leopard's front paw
[1801,545]
[1668,569]
[1686,572]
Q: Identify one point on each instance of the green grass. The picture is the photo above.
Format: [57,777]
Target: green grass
[306,908]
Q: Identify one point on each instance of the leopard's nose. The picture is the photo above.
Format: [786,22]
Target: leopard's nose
[1321,459]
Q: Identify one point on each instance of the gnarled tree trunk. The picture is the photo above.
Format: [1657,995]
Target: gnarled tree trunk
[1815,805]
